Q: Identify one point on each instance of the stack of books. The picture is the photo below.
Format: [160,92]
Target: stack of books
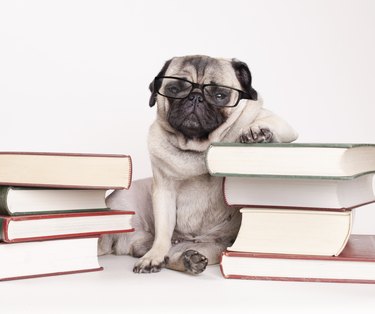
[53,209]
[297,203]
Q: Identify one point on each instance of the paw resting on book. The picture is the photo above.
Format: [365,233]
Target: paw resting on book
[257,134]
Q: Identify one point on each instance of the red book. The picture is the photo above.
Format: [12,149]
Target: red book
[355,264]
[48,258]
[67,225]
[63,170]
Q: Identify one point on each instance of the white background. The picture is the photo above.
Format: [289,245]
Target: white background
[74,74]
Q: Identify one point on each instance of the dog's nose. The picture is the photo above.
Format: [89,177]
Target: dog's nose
[196,98]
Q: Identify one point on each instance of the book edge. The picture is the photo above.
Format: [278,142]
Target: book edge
[64,236]
[299,279]
[330,209]
[289,177]
[293,144]
[109,212]
[70,272]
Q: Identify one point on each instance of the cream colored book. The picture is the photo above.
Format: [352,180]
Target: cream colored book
[330,194]
[29,200]
[309,160]
[355,264]
[65,170]
[281,231]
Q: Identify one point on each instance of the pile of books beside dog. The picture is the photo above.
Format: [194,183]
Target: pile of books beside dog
[297,203]
[53,210]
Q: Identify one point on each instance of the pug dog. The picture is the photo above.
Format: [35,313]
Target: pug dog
[182,222]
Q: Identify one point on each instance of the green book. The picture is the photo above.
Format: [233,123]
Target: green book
[27,200]
[302,160]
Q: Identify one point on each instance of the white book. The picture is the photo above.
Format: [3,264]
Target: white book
[28,200]
[303,232]
[299,193]
[356,264]
[335,161]
[48,258]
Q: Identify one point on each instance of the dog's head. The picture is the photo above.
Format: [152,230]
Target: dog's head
[196,94]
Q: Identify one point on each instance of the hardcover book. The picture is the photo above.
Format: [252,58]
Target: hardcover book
[68,225]
[28,200]
[59,170]
[356,264]
[325,161]
[48,258]
[327,194]
[303,232]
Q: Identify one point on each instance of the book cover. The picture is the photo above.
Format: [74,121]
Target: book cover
[356,264]
[48,258]
[65,170]
[293,160]
[67,225]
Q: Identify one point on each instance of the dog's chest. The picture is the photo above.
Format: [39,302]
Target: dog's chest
[200,205]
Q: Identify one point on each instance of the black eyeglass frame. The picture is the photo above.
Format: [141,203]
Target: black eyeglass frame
[242,94]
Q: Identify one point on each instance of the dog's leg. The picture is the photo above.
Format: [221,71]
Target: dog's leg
[105,244]
[193,257]
[139,242]
[135,244]
[164,201]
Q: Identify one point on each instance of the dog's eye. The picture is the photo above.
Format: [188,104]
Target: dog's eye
[217,95]
[173,89]
[221,96]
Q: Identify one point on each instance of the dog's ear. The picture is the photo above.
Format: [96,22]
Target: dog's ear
[153,87]
[244,77]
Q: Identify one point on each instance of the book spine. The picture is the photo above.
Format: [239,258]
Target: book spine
[4,221]
[4,210]
[130,180]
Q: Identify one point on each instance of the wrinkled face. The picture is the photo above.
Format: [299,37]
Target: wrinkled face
[198,93]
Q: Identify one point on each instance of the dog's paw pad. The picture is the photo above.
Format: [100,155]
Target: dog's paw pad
[194,262]
[257,135]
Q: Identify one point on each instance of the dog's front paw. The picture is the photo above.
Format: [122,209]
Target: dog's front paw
[194,262]
[150,264]
[257,134]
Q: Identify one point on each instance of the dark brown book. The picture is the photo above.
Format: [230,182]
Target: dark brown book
[355,264]
[63,170]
